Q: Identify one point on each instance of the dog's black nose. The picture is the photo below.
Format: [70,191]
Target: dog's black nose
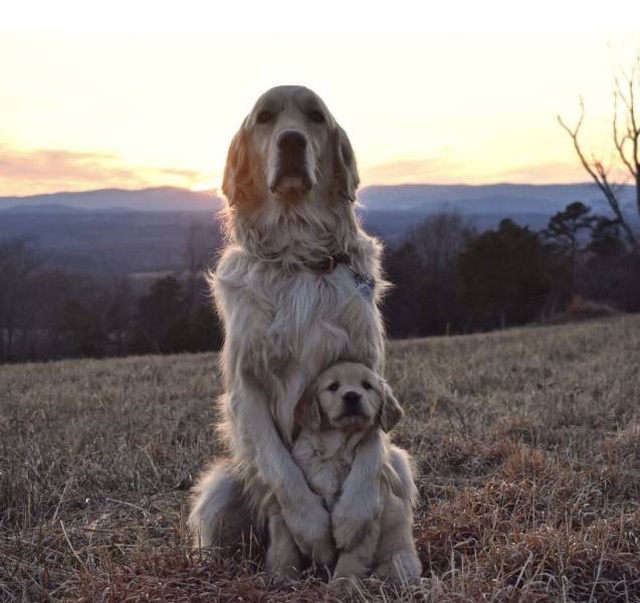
[351,398]
[292,142]
[292,177]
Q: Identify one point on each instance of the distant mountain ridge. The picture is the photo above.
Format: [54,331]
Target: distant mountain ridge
[504,198]
[391,211]
[423,199]
[111,231]
[165,198]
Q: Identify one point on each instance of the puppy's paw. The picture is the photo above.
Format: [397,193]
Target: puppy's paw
[310,526]
[351,565]
[400,566]
[284,574]
[351,522]
[345,588]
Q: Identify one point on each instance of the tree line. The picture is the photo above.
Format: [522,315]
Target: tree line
[448,278]
[47,313]
[451,279]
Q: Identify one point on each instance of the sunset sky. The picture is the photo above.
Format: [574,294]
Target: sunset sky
[139,93]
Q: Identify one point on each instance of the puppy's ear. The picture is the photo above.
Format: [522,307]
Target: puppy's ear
[307,411]
[345,171]
[391,411]
[237,180]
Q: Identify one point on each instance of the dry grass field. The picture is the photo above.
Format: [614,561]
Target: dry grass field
[527,444]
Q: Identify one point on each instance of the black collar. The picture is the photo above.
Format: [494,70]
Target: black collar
[328,263]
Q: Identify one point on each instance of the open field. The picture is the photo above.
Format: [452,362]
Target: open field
[527,444]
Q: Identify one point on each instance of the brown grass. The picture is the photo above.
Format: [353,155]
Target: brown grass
[527,444]
[580,309]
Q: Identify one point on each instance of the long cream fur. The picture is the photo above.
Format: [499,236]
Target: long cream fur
[328,449]
[285,323]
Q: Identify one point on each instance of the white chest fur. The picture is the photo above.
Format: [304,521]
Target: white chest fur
[325,459]
[298,318]
[288,326]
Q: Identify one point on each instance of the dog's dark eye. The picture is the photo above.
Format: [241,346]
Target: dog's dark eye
[264,117]
[334,386]
[316,116]
[366,385]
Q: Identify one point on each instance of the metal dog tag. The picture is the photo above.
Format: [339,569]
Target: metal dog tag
[365,285]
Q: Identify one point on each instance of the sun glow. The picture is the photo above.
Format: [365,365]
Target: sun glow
[210,186]
[468,98]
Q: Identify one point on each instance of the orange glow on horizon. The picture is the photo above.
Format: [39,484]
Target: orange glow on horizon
[474,106]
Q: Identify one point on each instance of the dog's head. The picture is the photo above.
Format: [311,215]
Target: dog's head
[349,397]
[288,147]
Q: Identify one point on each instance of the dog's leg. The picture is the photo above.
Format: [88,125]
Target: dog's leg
[401,564]
[360,502]
[397,558]
[283,556]
[359,561]
[257,438]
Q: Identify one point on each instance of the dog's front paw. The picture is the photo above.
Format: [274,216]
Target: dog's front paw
[352,521]
[310,527]
[351,565]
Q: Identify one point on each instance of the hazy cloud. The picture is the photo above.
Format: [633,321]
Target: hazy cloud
[46,171]
[412,171]
[450,170]
[549,172]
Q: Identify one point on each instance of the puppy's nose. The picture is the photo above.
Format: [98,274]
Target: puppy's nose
[351,398]
[292,142]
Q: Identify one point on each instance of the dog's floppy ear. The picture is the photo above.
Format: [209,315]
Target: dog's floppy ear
[344,166]
[391,411]
[237,180]
[307,411]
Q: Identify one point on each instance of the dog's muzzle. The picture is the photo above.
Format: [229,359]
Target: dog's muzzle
[292,178]
[352,406]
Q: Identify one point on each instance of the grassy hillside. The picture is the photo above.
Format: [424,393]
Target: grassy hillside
[527,444]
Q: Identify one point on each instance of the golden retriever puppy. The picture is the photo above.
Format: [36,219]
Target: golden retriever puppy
[297,288]
[345,407]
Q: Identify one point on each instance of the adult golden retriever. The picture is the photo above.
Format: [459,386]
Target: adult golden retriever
[346,406]
[297,288]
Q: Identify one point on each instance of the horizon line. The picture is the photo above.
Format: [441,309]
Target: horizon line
[218,193]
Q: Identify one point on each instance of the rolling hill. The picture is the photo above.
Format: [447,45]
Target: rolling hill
[526,448]
[115,200]
[119,231]
[490,199]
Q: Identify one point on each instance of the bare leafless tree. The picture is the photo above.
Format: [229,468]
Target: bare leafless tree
[626,139]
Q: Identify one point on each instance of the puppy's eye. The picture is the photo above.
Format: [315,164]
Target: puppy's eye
[264,117]
[334,386]
[366,385]
[316,116]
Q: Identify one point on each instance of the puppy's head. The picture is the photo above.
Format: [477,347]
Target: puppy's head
[348,397]
[287,147]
